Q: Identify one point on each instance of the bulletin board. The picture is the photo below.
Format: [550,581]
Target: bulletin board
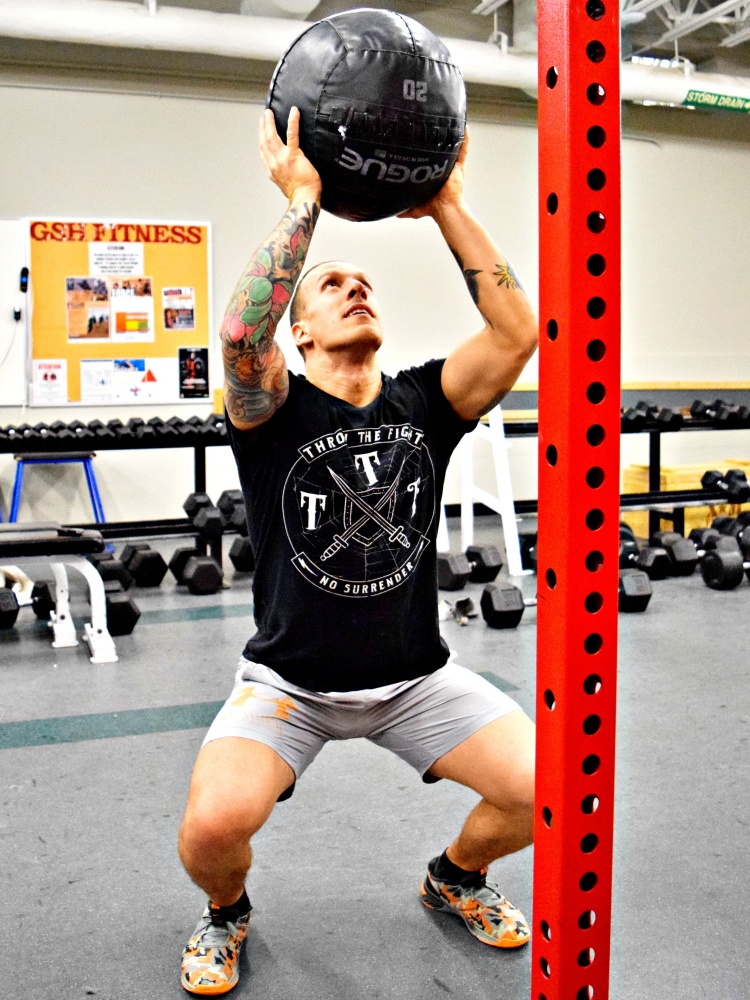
[120,311]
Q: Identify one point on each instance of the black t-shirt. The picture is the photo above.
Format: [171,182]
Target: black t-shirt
[342,505]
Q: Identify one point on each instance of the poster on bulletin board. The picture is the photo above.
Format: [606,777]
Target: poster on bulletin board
[120,311]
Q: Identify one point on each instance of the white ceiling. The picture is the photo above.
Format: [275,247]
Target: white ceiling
[646,23]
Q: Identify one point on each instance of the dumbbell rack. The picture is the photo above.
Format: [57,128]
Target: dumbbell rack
[667,505]
[198,442]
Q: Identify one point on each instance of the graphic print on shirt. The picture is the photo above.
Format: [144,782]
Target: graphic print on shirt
[358,505]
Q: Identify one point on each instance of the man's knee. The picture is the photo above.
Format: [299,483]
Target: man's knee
[234,788]
[515,796]
[210,829]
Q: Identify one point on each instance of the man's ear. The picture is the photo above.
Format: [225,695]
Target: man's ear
[301,337]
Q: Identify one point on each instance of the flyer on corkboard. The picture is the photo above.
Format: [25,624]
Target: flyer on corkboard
[117,308]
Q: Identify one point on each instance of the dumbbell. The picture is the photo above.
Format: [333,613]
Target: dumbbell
[61,430]
[231,503]
[101,430]
[120,431]
[734,484]
[81,432]
[503,604]
[632,420]
[8,608]
[722,569]
[162,427]
[112,569]
[661,417]
[145,565]
[241,555]
[721,414]
[652,560]
[194,567]
[179,425]
[196,502]
[141,429]
[684,553]
[480,564]
[732,526]
[122,611]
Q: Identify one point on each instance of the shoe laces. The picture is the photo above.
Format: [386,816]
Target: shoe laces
[219,917]
[485,892]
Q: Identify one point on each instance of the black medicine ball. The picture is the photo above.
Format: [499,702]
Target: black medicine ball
[383,110]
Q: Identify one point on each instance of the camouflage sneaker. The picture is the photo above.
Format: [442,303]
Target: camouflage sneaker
[487,914]
[210,961]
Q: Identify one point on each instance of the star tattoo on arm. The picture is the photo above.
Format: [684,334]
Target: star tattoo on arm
[507,276]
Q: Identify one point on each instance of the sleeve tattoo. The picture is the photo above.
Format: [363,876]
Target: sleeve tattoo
[255,376]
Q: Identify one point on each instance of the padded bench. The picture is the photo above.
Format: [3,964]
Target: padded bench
[49,543]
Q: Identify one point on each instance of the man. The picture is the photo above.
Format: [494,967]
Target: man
[342,473]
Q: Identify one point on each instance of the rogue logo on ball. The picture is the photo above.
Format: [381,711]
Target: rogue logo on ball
[394,173]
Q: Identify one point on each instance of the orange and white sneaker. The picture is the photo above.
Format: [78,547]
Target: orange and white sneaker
[210,961]
[488,915]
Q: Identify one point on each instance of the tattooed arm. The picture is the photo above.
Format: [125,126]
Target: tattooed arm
[255,375]
[482,369]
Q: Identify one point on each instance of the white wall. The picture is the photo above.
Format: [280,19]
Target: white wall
[65,152]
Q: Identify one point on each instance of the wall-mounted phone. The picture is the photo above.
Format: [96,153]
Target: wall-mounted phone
[23,286]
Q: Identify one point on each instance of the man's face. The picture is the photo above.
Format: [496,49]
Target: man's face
[339,310]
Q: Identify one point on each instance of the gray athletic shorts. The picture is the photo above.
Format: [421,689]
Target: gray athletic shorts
[419,720]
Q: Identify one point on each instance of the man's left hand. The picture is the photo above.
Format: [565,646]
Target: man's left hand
[451,193]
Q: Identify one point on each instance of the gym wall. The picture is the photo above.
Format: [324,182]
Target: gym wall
[84,152]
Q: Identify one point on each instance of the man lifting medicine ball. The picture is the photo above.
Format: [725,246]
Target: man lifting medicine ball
[342,472]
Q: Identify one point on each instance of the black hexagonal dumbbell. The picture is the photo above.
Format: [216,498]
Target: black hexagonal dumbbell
[43,599]
[733,527]
[8,608]
[480,564]
[734,484]
[241,555]
[200,572]
[684,554]
[653,561]
[195,502]
[503,605]
[122,612]
[202,575]
[229,500]
[115,569]
[231,503]
[180,559]
[723,568]
[634,591]
[145,565]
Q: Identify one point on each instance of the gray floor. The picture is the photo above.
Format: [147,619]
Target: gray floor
[96,903]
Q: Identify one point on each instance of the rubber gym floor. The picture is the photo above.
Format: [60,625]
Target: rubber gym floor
[94,769]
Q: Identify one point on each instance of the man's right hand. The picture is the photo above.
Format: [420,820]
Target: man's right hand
[287,165]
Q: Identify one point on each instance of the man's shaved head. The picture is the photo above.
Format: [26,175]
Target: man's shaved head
[297,305]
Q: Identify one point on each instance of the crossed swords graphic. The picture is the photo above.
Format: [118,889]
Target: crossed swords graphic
[395,531]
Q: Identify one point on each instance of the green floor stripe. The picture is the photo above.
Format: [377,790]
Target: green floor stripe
[137,722]
[196,614]
[499,682]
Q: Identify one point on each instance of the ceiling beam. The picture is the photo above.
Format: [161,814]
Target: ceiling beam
[687,25]
[736,38]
